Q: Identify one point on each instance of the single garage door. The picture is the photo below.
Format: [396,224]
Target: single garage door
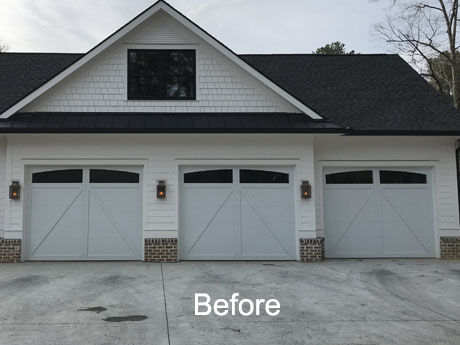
[378,213]
[237,214]
[85,214]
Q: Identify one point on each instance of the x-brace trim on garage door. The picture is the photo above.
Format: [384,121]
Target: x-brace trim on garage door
[86,213]
[378,212]
[237,213]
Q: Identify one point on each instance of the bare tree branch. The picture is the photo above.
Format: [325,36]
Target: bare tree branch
[426,31]
[3,47]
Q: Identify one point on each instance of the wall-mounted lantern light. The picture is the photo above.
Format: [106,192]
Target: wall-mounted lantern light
[15,190]
[161,190]
[305,190]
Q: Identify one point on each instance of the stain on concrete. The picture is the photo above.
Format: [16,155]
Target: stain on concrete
[117,279]
[455,271]
[94,309]
[232,329]
[270,265]
[24,282]
[133,318]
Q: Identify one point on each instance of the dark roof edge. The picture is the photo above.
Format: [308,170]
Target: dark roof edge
[225,131]
[168,131]
[402,133]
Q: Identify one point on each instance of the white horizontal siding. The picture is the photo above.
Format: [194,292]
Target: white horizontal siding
[162,155]
[158,30]
[438,152]
[101,86]
[3,184]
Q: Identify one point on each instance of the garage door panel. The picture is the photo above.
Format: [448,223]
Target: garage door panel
[396,219]
[266,218]
[55,232]
[119,202]
[110,234]
[200,242]
[206,218]
[260,237]
[406,230]
[353,218]
[80,220]
[232,220]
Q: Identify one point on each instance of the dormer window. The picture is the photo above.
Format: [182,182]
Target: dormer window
[161,74]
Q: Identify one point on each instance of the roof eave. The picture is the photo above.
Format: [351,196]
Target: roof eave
[403,133]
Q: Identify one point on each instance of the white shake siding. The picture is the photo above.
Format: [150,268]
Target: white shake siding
[101,86]
[436,152]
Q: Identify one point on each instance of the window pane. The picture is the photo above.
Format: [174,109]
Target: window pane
[350,177]
[112,176]
[262,176]
[179,87]
[210,176]
[161,74]
[144,86]
[401,177]
[180,63]
[144,61]
[58,176]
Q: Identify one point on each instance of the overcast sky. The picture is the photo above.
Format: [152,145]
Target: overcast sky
[246,26]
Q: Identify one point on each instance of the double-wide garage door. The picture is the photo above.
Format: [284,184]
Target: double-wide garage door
[237,214]
[85,214]
[371,213]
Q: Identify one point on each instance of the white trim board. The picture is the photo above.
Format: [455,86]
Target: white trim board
[163,6]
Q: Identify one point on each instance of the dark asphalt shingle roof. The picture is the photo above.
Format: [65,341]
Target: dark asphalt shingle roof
[165,123]
[369,93]
[22,73]
[365,92]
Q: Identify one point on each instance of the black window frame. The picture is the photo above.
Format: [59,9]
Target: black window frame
[162,76]
[113,176]
[352,177]
[216,176]
[71,176]
[257,176]
[400,177]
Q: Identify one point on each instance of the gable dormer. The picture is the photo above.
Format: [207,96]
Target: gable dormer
[163,66]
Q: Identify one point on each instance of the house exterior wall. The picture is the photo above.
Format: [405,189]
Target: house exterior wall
[101,85]
[435,152]
[3,184]
[162,156]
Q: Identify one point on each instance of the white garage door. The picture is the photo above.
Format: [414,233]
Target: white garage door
[85,214]
[372,213]
[237,214]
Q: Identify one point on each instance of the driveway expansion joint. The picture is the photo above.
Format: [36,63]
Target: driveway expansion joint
[166,306]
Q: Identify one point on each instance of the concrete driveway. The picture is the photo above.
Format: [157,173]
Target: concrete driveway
[335,302]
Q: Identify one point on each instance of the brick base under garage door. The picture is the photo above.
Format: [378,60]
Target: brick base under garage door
[10,251]
[311,249]
[450,248]
[160,250]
